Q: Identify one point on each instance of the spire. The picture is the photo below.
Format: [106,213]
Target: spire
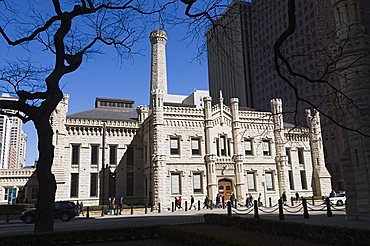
[158,76]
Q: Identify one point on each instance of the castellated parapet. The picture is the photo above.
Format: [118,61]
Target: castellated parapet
[158,36]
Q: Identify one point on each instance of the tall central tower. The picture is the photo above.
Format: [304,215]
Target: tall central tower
[158,75]
[158,91]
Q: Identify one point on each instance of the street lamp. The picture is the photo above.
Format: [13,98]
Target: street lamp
[103,168]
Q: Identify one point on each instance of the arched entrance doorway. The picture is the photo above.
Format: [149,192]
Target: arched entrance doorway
[225,188]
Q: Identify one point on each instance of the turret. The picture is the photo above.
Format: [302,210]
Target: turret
[321,177]
[158,76]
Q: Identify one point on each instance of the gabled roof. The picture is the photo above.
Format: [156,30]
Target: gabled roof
[122,114]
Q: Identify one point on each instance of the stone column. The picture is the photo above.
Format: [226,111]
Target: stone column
[280,158]
[237,145]
[210,157]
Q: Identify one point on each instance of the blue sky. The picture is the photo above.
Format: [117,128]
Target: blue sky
[103,76]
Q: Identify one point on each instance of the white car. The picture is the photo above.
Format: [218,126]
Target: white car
[338,200]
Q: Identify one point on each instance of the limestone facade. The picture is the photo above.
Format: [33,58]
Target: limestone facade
[177,148]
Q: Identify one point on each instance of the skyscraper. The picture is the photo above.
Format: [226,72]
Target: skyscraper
[5,129]
[240,53]
[16,149]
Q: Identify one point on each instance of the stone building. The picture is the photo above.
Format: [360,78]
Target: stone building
[183,146]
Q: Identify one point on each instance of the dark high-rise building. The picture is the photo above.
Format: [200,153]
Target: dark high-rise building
[230,55]
[241,62]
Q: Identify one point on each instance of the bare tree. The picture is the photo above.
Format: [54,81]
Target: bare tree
[71,31]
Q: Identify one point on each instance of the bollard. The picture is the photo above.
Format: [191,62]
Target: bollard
[270,202]
[292,201]
[256,215]
[305,210]
[281,211]
[223,204]
[186,205]
[146,208]
[87,212]
[173,207]
[229,208]
[313,201]
[132,209]
[152,207]
[236,204]
[198,205]
[328,208]
[7,217]
[211,205]
[159,207]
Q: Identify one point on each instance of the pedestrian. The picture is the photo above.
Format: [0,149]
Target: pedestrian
[110,206]
[78,207]
[206,203]
[247,200]
[191,202]
[296,196]
[259,200]
[179,201]
[120,204]
[332,193]
[232,199]
[250,199]
[176,202]
[82,209]
[283,197]
[217,201]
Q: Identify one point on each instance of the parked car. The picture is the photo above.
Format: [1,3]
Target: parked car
[64,211]
[338,200]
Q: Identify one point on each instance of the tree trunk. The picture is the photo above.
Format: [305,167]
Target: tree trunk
[46,180]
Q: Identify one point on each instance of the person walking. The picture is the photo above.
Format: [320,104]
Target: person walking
[250,199]
[232,199]
[82,209]
[247,200]
[217,200]
[120,205]
[179,203]
[296,196]
[206,203]
[110,206]
[283,197]
[259,200]
[176,202]
[78,208]
[191,202]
